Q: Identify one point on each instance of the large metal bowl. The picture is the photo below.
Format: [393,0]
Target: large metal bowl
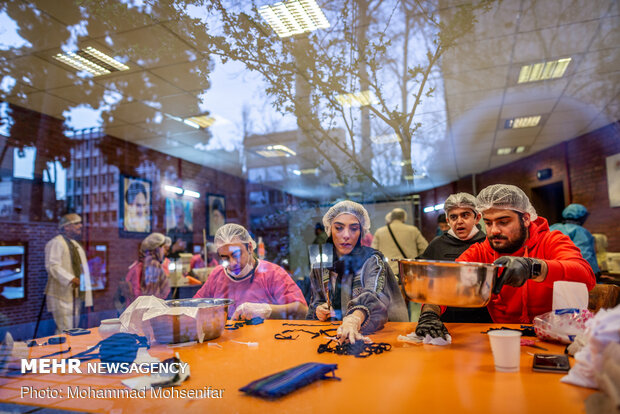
[462,284]
[211,318]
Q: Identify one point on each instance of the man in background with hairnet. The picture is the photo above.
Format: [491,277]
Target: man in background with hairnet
[68,282]
[397,240]
[532,258]
[574,216]
[465,231]
[258,287]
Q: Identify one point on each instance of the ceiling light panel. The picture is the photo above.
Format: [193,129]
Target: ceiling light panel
[358,99]
[523,122]
[294,17]
[273,151]
[535,72]
[92,61]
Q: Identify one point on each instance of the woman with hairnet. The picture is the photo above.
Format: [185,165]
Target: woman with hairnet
[258,287]
[363,290]
[146,276]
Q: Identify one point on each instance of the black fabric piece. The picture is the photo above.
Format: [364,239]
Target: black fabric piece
[240,324]
[308,324]
[120,347]
[360,349]
[525,330]
[448,247]
[400,249]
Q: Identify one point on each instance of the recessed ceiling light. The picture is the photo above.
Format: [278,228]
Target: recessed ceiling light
[543,70]
[276,151]
[522,122]
[92,61]
[429,209]
[294,17]
[520,149]
[357,99]
[415,177]
[438,206]
[354,194]
[505,151]
[203,121]
[337,184]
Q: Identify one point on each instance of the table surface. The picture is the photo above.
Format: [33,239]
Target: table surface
[456,378]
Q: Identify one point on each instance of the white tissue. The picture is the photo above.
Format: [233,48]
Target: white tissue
[412,338]
[569,295]
[131,318]
[601,330]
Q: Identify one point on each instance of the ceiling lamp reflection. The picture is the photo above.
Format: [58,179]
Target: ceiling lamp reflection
[415,177]
[335,185]
[522,122]
[294,17]
[543,70]
[386,139]
[314,171]
[358,99]
[203,121]
[273,151]
[92,61]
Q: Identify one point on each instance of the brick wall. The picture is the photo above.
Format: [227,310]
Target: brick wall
[579,164]
[130,160]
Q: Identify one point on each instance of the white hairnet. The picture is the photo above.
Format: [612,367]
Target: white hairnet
[232,233]
[347,207]
[460,200]
[152,241]
[505,196]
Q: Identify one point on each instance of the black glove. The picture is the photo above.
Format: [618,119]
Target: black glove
[430,324]
[516,271]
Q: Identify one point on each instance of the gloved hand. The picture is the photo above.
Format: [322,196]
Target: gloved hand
[323,312]
[430,324]
[250,310]
[350,330]
[516,271]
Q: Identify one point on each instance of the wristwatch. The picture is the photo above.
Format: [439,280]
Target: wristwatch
[536,269]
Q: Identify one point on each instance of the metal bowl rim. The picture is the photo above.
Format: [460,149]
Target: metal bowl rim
[447,263]
[200,302]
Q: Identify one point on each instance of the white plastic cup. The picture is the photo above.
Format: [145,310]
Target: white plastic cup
[506,347]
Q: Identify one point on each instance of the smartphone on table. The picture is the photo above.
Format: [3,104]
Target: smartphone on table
[550,363]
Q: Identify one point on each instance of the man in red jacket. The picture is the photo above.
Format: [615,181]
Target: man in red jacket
[533,258]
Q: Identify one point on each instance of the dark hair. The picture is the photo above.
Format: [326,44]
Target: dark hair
[319,226]
[217,205]
[442,218]
[133,190]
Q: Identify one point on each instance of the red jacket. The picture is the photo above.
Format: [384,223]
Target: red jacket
[564,261]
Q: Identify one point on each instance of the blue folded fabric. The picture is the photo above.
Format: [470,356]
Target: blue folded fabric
[289,380]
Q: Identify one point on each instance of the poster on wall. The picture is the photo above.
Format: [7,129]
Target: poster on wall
[97,258]
[12,271]
[135,209]
[179,216]
[613,180]
[216,213]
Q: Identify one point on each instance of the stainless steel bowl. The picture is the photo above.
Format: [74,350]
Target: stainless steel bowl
[462,284]
[211,317]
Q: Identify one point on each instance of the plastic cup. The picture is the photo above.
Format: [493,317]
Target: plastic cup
[506,347]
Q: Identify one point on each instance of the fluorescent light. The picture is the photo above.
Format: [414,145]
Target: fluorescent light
[305,171]
[385,139]
[191,193]
[543,70]
[203,121]
[438,206]
[358,99]
[401,163]
[354,194]
[276,151]
[191,123]
[415,177]
[522,122]
[173,189]
[296,172]
[294,17]
[429,209]
[520,149]
[505,151]
[92,61]
[337,184]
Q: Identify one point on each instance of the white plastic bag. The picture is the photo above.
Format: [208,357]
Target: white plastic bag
[561,325]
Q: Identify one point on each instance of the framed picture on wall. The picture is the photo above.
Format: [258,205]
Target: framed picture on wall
[216,213]
[179,217]
[97,258]
[135,207]
[13,259]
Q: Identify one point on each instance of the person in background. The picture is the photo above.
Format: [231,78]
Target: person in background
[218,216]
[320,235]
[463,219]
[68,283]
[363,291]
[532,258]
[198,260]
[166,263]
[146,275]
[575,215]
[258,287]
[398,240]
[442,225]
[181,234]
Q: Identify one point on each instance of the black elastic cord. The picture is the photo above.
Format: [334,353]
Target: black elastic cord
[240,324]
[360,349]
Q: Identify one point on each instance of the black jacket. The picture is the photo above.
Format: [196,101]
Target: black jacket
[447,247]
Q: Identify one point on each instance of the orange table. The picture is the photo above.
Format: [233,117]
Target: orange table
[421,378]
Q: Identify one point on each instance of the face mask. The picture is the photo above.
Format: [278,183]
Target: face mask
[243,272]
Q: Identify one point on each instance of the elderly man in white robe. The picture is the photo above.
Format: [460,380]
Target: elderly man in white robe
[68,282]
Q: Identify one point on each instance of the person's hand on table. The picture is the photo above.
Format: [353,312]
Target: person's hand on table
[516,271]
[431,324]
[349,331]
[250,310]
[323,312]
